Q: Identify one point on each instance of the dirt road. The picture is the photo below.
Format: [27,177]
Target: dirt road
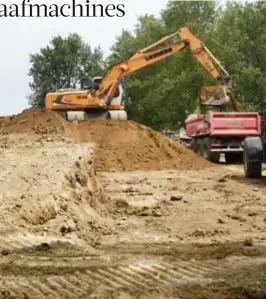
[68,229]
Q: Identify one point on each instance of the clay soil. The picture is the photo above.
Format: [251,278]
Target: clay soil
[115,210]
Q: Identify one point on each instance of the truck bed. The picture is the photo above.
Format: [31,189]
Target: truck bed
[224,124]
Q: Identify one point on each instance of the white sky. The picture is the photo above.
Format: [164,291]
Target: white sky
[22,36]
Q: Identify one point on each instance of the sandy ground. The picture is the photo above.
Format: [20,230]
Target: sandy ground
[68,231]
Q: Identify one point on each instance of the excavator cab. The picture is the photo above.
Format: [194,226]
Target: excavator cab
[91,83]
[119,99]
[94,84]
[86,83]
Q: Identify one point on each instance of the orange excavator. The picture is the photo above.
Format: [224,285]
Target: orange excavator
[106,98]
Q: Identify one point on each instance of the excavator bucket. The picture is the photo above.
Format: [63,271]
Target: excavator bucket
[214,95]
[217,97]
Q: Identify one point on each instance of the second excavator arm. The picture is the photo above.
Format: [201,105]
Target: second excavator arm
[183,39]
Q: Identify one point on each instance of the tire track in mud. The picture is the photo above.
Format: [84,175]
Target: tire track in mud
[77,277]
[26,240]
[29,273]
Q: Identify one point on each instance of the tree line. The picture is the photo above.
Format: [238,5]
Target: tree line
[164,94]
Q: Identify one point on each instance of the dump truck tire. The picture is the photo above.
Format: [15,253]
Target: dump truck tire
[213,157]
[193,145]
[199,146]
[253,157]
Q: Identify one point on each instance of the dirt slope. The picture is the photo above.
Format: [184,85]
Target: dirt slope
[121,146]
[49,184]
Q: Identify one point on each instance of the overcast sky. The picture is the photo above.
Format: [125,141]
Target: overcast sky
[21,36]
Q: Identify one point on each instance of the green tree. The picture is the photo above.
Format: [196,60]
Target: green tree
[62,64]
[163,94]
[241,42]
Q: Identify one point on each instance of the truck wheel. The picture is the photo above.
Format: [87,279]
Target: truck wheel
[199,147]
[206,149]
[207,153]
[193,145]
[253,169]
[253,157]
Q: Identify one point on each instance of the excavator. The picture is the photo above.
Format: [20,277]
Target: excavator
[106,97]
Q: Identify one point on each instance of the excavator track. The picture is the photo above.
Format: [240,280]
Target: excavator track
[95,115]
[117,114]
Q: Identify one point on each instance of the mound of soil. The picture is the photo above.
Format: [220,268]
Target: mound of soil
[128,146]
[33,121]
[121,145]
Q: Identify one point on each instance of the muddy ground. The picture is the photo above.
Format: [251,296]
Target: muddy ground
[71,230]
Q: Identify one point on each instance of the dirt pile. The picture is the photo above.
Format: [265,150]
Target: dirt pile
[121,146]
[33,121]
[128,146]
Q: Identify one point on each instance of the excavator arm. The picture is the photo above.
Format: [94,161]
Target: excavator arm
[162,49]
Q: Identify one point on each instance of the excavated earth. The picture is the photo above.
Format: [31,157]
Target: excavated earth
[125,146]
[115,210]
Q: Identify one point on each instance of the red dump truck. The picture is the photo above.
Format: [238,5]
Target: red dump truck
[222,132]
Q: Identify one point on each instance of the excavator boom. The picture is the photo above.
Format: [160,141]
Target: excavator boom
[161,50]
[204,56]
